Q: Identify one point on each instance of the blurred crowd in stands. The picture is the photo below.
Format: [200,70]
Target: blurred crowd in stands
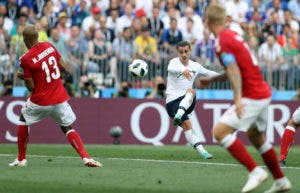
[99,38]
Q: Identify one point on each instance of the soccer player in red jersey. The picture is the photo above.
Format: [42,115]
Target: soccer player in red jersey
[252,96]
[288,136]
[42,66]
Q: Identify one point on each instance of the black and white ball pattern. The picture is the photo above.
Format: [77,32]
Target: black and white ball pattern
[138,68]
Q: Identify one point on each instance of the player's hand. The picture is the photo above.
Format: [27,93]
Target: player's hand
[204,82]
[239,108]
[187,74]
[20,75]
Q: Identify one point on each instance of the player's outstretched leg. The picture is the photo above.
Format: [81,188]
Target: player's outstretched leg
[286,142]
[268,154]
[237,149]
[77,144]
[184,104]
[22,146]
[178,116]
[281,183]
[195,142]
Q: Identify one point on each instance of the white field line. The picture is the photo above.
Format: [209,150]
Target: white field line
[141,160]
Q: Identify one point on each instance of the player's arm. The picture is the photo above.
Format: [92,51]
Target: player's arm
[29,84]
[222,77]
[28,81]
[234,75]
[211,77]
[62,65]
[24,74]
[205,72]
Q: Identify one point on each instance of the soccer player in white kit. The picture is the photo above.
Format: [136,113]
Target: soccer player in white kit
[181,96]
[288,136]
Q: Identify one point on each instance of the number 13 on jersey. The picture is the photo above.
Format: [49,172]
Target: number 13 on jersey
[51,64]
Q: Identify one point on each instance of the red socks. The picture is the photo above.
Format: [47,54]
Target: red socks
[72,135]
[268,154]
[286,141]
[239,152]
[77,143]
[22,141]
[270,160]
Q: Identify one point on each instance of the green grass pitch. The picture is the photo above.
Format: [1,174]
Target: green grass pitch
[131,169]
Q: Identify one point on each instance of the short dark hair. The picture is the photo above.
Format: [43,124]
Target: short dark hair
[126,28]
[183,44]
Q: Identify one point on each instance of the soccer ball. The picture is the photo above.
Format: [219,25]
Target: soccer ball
[115,131]
[138,68]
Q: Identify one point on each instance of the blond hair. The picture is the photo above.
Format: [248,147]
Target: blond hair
[30,32]
[215,14]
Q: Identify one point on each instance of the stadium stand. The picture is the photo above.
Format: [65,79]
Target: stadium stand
[98,39]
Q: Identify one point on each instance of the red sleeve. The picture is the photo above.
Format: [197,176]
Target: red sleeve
[226,45]
[227,54]
[24,65]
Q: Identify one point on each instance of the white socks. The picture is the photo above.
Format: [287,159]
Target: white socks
[194,141]
[291,128]
[185,103]
[265,147]
[228,140]
[180,112]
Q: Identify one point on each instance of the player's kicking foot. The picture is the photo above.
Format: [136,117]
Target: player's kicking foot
[207,155]
[280,185]
[91,163]
[256,177]
[21,163]
[177,119]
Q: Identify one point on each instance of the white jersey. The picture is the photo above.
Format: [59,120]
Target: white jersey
[177,84]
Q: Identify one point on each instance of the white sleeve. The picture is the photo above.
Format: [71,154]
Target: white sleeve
[206,72]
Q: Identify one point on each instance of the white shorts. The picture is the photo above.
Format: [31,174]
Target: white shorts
[62,113]
[296,116]
[255,115]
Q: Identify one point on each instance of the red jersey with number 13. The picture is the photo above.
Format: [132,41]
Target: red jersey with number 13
[253,84]
[41,64]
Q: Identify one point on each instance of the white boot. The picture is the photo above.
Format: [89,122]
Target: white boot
[21,163]
[280,185]
[91,163]
[256,177]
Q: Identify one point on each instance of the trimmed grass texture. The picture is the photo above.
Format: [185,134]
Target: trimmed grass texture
[132,169]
